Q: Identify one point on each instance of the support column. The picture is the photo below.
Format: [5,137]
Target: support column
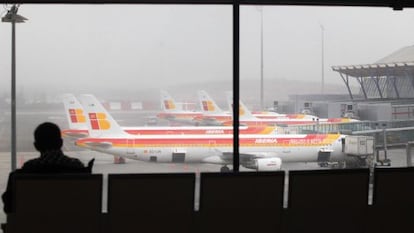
[346,81]
[376,80]
[236,83]
[362,86]
[411,77]
[13,100]
[393,80]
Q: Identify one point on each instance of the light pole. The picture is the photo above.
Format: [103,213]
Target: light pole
[261,59]
[13,18]
[322,59]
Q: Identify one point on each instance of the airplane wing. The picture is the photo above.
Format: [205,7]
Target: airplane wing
[101,145]
[228,156]
[263,161]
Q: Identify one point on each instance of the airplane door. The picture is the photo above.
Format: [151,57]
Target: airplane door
[324,157]
[178,156]
[130,147]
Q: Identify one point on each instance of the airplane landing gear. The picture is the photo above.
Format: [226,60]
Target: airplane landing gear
[224,169]
[323,164]
[119,160]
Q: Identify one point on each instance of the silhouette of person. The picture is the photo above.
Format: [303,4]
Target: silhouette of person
[48,142]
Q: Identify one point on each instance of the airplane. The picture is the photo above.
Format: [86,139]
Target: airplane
[213,114]
[173,113]
[273,115]
[75,115]
[78,127]
[247,118]
[262,152]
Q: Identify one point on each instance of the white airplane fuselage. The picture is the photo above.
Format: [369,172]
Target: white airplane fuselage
[209,148]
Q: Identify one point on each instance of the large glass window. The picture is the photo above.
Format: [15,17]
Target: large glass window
[129,57]
[288,60]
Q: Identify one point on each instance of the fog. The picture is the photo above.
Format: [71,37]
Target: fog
[143,48]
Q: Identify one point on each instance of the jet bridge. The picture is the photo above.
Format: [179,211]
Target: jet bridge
[380,80]
[390,138]
[360,150]
[387,135]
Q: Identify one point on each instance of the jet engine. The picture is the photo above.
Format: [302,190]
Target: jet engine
[265,164]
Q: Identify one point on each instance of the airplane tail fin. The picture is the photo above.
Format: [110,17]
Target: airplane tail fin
[101,122]
[75,113]
[244,112]
[167,102]
[207,104]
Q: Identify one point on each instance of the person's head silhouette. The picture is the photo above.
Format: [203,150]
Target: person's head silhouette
[47,137]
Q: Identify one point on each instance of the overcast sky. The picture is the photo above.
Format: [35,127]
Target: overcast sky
[143,46]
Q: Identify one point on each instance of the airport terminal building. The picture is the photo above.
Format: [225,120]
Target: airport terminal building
[386,90]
